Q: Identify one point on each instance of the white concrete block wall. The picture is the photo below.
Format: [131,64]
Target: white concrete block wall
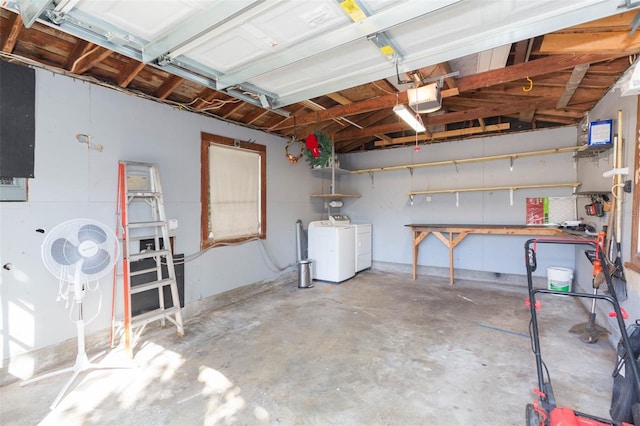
[386,205]
[74,182]
[71,181]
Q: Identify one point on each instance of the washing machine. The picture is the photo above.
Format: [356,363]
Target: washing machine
[332,250]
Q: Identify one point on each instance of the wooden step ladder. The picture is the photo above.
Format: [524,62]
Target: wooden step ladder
[141,217]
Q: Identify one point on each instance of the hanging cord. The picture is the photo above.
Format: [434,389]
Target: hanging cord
[63,292]
[271,264]
[64,288]
[416,148]
[613,189]
[97,287]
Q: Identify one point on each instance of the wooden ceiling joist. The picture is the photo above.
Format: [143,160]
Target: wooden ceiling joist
[455,117]
[591,42]
[130,71]
[477,81]
[10,33]
[526,116]
[85,56]
[168,86]
[251,118]
[529,69]
[572,85]
[445,134]
[232,110]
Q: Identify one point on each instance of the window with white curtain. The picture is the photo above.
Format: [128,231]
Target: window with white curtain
[233,190]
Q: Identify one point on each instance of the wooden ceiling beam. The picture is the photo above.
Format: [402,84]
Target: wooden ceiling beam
[549,118]
[514,92]
[253,116]
[620,22]
[342,100]
[473,82]
[375,117]
[526,116]
[85,56]
[446,69]
[576,115]
[278,119]
[454,117]
[588,42]
[203,99]
[386,101]
[168,86]
[79,49]
[446,134]
[10,33]
[385,87]
[131,71]
[572,85]
[520,52]
[528,69]
[487,111]
[352,145]
[555,119]
[227,114]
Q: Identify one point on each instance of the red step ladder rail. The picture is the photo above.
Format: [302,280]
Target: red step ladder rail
[121,233]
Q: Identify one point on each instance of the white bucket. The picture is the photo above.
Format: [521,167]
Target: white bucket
[559,279]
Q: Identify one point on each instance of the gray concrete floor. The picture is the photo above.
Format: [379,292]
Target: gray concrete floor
[380,349]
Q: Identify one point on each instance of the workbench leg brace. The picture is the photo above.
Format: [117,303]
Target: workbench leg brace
[450,243]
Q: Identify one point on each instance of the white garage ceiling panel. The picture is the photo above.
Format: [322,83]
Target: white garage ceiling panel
[145,19]
[278,52]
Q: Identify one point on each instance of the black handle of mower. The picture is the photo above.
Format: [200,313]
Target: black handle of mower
[530,247]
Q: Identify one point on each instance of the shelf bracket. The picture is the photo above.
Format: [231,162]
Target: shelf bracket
[371,176]
[457,199]
[411,199]
[410,170]
[511,163]
[511,197]
[455,163]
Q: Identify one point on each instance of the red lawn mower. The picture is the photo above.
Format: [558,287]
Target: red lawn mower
[625,406]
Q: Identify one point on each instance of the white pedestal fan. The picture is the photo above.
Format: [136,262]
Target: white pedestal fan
[78,252]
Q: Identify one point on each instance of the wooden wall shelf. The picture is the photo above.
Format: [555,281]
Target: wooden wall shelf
[334,196]
[495,188]
[511,157]
[326,171]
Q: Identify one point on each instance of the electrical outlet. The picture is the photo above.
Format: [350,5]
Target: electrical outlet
[627,186]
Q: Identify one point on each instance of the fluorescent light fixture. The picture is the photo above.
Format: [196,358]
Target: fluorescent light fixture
[409,117]
[425,99]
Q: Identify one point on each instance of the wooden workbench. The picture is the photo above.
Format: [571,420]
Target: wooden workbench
[456,233]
